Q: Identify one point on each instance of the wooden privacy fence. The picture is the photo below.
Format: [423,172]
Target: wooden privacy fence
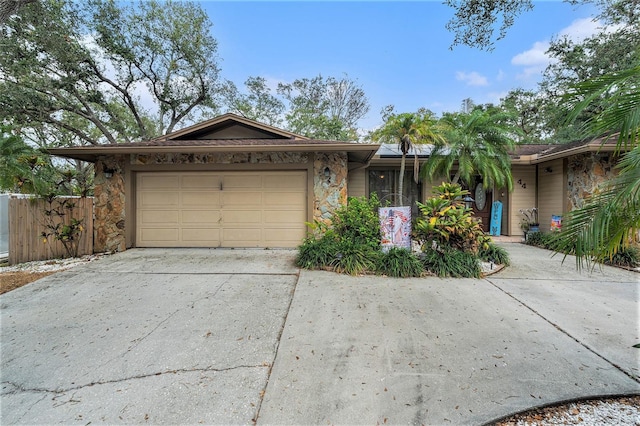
[27,222]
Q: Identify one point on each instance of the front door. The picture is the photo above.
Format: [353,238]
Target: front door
[482,205]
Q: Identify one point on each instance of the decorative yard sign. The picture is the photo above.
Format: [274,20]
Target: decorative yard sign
[395,224]
[496,218]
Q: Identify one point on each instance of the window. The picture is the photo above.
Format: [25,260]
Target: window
[385,184]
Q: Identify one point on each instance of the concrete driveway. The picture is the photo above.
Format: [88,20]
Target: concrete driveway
[236,336]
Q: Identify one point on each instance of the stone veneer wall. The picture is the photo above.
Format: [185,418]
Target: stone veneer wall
[108,231]
[329,191]
[329,184]
[585,172]
[217,158]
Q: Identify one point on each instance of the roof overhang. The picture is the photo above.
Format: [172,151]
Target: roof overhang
[597,145]
[357,152]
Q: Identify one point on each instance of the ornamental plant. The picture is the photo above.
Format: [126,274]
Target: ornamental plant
[60,225]
[446,222]
[351,243]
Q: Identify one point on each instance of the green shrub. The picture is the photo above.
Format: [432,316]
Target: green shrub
[400,263]
[495,254]
[357,222]
[450,262]
[628,257]
[316,253]
[539,239]
[353,259]
[446,220]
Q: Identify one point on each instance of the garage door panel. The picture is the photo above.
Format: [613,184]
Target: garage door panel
[283,199]
[201,217]
[274,217]
[165,181]
[159,216]
[283,237]
[249,217]
[159,198]
[241,236]
[232,199]
[156,234]
[242,181]
[284,182]
[202,235]
[201,181]
[228,209]
[201,199]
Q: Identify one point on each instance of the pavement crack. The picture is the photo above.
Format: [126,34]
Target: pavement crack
[136,342]
[565,332]
[139,340]
[18,388]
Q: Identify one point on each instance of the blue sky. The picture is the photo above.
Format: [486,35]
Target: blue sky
[397,51]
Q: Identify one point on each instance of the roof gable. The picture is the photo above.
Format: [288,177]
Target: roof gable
[230,126]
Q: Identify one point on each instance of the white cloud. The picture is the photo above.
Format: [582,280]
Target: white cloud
[535,60]
[534,57]
[500,76]
[581,29]
[472,78]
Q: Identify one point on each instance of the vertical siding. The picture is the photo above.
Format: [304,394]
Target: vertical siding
[357,183]
[522,197]
[26,224]
[551,186]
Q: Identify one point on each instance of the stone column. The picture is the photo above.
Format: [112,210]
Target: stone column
[109,235]
[329,184]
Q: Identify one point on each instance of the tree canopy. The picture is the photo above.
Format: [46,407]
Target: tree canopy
[478,143]
[324,108]
[318,107]
[474,22]
[610,218]
[85,69]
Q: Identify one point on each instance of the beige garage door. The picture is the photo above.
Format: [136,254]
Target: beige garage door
[223,209]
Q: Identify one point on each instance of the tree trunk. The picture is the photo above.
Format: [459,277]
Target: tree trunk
[401,180]
[456,177]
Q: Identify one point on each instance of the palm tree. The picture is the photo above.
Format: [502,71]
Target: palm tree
[408,129]
[479,143]
[13,150]
[610,219]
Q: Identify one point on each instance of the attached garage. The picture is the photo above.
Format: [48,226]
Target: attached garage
[227,182]
[212,209]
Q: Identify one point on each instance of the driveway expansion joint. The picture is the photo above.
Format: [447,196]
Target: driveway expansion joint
[277,347]
[272,274]
[557,327]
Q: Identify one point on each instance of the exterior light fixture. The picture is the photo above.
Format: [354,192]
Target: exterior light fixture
[468,201]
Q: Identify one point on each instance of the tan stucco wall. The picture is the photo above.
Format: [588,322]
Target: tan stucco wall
[522,197]
[551,188]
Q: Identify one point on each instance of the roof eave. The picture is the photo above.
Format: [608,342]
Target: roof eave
[91,154]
